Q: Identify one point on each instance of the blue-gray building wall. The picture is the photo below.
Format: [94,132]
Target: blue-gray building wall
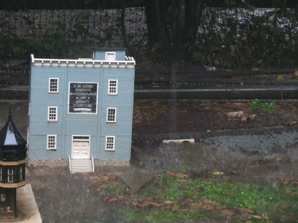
[91,124]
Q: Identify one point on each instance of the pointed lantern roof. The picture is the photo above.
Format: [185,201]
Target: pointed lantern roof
[10,135]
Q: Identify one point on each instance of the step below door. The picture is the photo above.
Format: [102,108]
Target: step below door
[80,147]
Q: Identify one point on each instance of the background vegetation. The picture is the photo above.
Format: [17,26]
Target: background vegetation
[235,35]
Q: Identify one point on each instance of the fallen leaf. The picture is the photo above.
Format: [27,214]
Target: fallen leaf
[156,204]
[227,212]
[168,202]
[179,175]
[284,206]
[247,210]
[175,208]
[196,205]
[257,216]
[218,173]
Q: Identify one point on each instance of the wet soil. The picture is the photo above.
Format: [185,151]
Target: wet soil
[201,116]
[63,197]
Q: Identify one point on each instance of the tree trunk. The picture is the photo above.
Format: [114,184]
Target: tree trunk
[172,27]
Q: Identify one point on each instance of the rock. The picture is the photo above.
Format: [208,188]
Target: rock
[293,154]
[135,179]
[235,114]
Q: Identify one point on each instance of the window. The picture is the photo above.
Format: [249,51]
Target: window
[1,175]
[10,175]
[21,173]
[110,143]
[111,114]
[52,113]
[53,85]
[51,142]
[110,56]
[113,87]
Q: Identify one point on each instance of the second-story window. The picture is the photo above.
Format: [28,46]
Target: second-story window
[52,113]
[53,85]
[113,87]
[111,114]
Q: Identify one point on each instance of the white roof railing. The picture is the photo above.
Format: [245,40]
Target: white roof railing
[129,62]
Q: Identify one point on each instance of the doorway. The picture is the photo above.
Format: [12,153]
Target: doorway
[80,147]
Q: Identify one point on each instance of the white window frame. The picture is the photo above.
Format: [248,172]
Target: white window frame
[52,113]
[111,117]
[51,86]
[111,56]
[110,143]
[112,90]
[51,142]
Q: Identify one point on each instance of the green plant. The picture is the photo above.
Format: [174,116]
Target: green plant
[255,104]
[268,107]
[186,168]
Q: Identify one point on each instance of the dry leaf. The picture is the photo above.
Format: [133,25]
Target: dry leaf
[154,203]
[257,216]
[179,175]
[227,212]
[175,208]
[284,206]
[168,202]
[196,205]
[217,172]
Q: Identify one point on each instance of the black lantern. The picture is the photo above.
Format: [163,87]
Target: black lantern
[13,153]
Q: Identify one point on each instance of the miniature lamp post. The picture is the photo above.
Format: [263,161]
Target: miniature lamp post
[13,148]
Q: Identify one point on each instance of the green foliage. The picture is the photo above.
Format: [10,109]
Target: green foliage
[233,38]
[227,38]
[266,107]
[263,202]
[255,104]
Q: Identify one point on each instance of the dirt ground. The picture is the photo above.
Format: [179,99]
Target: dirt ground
[278,164]
[63,197]
[200,116]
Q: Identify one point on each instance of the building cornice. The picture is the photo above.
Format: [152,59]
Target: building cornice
[129,62]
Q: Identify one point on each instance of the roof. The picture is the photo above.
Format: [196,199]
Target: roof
[10,135]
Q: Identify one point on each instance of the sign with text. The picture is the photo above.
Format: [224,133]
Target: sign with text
[82,97]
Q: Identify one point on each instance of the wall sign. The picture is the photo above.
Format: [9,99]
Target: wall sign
[82,97]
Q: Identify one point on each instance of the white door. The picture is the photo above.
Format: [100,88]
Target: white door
[80,147]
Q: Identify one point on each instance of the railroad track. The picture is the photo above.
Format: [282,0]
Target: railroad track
[227,85]
[233,85]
